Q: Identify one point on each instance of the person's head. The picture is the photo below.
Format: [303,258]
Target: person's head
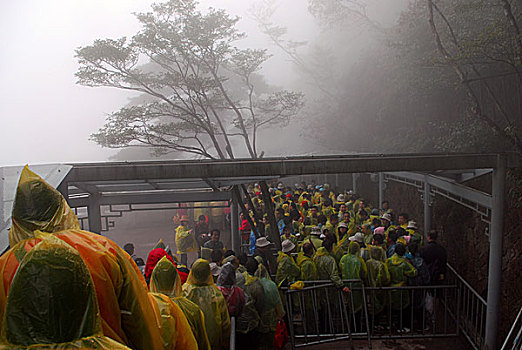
[307,221]
[216,256]
[378,239]
[129,248]
[342,208]
[334,219]
[401,232]
[403,218]
[294,214]
[385,205]
[346,216]
[342,229]
[140,262]
[328,202]
[400,249]
[287,220]
[287,230]
[362,204]
[328,243]
[413,247]
[314,210]
[308,249]
[432,236]
[279,213]
[215,234]
[376,222]
[386,220]
[202,218]
[392,236]
[322,219]
[251,266]
[363,214]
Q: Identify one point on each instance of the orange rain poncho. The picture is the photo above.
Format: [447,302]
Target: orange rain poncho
[125,309]
[52,303]
[165,280]
[200,288]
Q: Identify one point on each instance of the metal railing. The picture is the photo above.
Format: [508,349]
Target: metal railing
[514,338]
[321,313]
[470,308]
[233,333]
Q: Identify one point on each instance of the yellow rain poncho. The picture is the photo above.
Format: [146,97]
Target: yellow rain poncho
[400,269]
[307,267]
[327,267]
[378,276]
[352,266]
[249,319]
[287,270]
[52,303]
[200,289]
[126,312]
[174,327]
[165,280]
[185,240]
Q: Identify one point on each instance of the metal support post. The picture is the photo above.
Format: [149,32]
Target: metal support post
[495,254]
[381,190]
[354,182]
[427,208]
[94,213]
[234,227]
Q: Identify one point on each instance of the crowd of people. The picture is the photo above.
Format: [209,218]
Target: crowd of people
[64,287]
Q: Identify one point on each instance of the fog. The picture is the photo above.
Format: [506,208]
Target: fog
[47,117]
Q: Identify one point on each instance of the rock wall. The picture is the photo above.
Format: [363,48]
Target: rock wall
[463,233]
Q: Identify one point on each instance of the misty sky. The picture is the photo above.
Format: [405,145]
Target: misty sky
[45,116]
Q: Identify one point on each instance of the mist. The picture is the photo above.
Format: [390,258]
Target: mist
[357,73]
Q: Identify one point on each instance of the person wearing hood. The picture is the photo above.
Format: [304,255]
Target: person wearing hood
[306,263]
[287,270]
[378,276]
[52,303]
[118,282]
[185,239]
[200,289]
[314,238]
[416,237]
[353,267]
[400,269]
[272,310]
[234,296]
[166,280]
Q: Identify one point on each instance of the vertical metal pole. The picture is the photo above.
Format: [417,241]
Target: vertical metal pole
[354,183]
[495,253]
[234,227]
[427,209]
[381,190]
[94,213]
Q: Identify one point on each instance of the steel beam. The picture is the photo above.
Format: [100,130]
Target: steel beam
[280,167]
[495,254]
[427,207]
[151,198]
[94,211]
[234,228]
[381,189]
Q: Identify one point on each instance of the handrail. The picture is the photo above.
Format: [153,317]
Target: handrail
[233,333]
[517,339]
[462,280]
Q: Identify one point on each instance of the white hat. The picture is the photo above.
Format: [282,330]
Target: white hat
[215,269]
[287,246]
[386,216]
[262,242]
[412,224]
[316,230]
[342,224]
[280,186]
[358,237]
[341,198]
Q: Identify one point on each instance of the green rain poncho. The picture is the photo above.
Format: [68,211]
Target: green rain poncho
[400,269]
[378,276]
[307,267]
[165,280]
[352,266]
[52,303]
[200,289]
[249,319]
[272,305]
[287,270]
